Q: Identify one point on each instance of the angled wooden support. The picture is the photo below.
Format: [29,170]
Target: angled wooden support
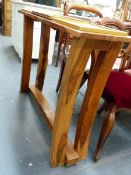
[74,69]
[98,78]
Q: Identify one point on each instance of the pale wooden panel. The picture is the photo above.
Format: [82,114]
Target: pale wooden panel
[9,6]
[87,26]
[7,17]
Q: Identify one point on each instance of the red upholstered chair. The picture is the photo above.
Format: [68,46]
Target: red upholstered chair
[121,62]
[128,71]
[117,96]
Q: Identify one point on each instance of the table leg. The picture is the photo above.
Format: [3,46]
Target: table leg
[27,53]
[43,56]
[98,78]
[74,69]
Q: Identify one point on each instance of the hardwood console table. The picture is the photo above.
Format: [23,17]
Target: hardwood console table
[84,41]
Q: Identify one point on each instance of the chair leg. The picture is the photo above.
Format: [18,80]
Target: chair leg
[103,107]
[62,67]
[107,126]
[87,73]
[84,78]
[61,37]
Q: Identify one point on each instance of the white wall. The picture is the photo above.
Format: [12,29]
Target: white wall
[111,3]
[107,11]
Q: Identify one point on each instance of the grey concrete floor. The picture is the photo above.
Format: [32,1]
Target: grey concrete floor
[25,138]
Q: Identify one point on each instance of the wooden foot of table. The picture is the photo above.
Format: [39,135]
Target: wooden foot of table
[71,156]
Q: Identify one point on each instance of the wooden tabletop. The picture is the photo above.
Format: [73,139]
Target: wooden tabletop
[56,24]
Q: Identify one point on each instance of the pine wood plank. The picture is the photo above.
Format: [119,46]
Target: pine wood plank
[80,24]
[7,17]
[87,26]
